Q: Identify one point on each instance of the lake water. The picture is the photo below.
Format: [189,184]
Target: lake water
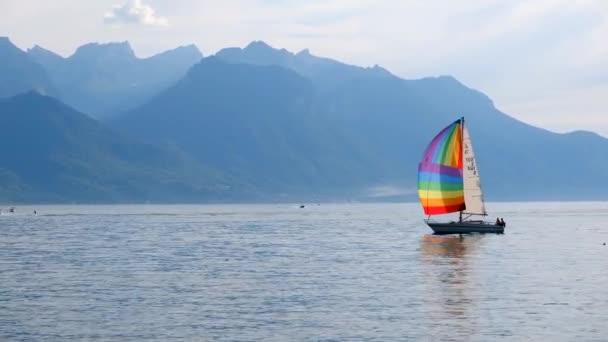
[328,272]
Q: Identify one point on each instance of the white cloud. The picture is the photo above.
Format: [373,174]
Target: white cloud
[135,12]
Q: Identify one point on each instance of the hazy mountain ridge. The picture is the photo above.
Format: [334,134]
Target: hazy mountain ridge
[256,123]
[325,73]
[386,122]
[270,124]
[53,153]
[106,79]
[19,73]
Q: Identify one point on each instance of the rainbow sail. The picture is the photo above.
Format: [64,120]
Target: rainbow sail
[440,181]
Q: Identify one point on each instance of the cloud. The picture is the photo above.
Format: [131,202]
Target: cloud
[135,12]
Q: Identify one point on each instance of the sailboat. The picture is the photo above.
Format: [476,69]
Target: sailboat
[448,182]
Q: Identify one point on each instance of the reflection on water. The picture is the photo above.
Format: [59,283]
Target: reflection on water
[447,246]
[449,277]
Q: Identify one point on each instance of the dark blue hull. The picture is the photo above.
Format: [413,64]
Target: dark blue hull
[465,227]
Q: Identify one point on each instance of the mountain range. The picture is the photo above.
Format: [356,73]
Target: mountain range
[105,79]
[257,123]
[19,73]
[53,153]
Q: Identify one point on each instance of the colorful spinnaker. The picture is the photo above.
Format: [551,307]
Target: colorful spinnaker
[440,174]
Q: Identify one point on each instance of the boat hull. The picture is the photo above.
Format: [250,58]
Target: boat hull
[465,227]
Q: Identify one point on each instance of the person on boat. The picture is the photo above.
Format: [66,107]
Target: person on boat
[497,222]
[502,222]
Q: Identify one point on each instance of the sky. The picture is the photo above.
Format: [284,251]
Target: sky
[544,62]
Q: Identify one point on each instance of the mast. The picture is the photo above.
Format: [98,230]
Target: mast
[462,140]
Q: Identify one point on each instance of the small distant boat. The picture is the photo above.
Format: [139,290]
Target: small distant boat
[448,182]
[8,211]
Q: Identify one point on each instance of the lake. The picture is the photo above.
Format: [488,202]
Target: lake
[326,272]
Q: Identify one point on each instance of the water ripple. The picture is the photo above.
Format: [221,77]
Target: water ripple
[357,272]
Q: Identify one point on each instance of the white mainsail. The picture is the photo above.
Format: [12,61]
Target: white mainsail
[473,196]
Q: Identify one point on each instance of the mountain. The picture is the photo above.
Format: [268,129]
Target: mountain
[517,161]
[19,73]
[255,123]
[261,115]
[106,79]
[325,73]
[52,153]
[259,123]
